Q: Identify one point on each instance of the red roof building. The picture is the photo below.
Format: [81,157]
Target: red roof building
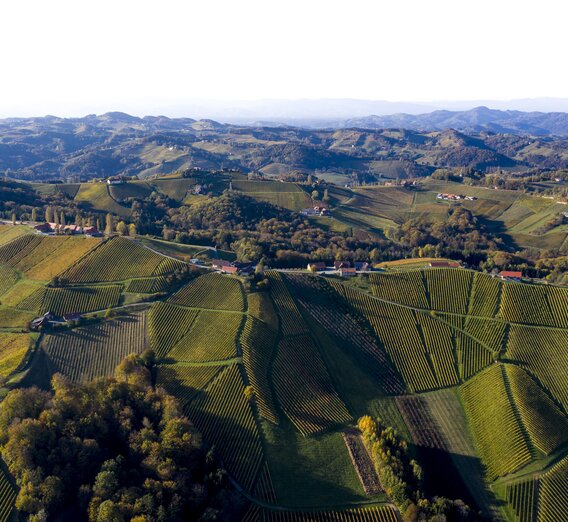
[444,264]
[508,274]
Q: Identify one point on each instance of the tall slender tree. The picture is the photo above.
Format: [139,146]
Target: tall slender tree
[109,228]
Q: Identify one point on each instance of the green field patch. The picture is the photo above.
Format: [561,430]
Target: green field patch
[96,196]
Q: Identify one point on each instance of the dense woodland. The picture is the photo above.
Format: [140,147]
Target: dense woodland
[111,450]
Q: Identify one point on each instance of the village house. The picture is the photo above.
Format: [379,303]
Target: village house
[509,275]
[341,264]
[444,264]
[347,272]
[50,228]
[315,211]
[362,266]
[115,180]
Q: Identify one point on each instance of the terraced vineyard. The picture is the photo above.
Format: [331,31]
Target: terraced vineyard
[449,289]
[372,514]
[91,351]
[225,418]
[7,496]
[291,321]
[471,368]
[212,337]
[168,323]
[498,433]
[212,291]
[258,343]
[542,352]
[118,259]
[43,258]
[13,349]
[304,389]
[406,288]
[149,285]
[8,278]
[547,426]
[72,299]
[185,381]
[553,492]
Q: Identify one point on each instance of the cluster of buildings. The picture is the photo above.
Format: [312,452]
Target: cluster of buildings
[235,268]
[49,319]
[454,197]
[116,180]
[55,228]
[344,268]
[315,211]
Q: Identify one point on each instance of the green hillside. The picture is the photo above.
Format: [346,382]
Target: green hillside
[470,370]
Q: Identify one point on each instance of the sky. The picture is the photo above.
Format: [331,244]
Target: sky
[71,58]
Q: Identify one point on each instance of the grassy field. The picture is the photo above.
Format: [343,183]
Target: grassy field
[96,196]
[287,195]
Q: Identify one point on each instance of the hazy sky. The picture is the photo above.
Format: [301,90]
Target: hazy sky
[75,57]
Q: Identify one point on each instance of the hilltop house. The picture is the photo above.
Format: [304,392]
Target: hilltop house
[509,275]
[226,267]
[444,264]
[315,211]
[115,180]
[48,228]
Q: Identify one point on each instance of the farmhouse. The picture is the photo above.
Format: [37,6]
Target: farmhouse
[316,266]
[508,275]
[227,267]
[362,266]
[44,228]
[315,211]
[341,264]
[444,264]
[347,272]
[42,321]
[115,180]
[48,228]
[219,264]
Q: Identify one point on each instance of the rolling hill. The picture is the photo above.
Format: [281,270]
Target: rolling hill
[469,369]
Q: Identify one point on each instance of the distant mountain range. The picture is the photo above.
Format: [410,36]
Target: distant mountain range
[471,121]
[48,148]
